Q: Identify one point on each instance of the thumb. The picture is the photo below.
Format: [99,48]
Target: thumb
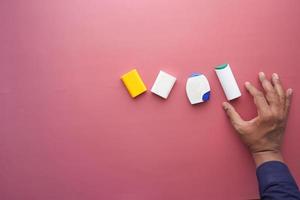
[232,114]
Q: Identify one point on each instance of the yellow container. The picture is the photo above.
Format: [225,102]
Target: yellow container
[133,83]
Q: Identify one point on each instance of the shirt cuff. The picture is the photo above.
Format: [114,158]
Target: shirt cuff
[273,172]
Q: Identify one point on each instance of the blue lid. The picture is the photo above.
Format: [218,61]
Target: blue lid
[195,74]
[206,96]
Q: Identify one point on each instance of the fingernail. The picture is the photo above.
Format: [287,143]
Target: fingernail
[247,83]
[290,91]
[224,104]
[261,75]
[275,76]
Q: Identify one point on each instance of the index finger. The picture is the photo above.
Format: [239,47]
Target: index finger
[271,95]
[259,99]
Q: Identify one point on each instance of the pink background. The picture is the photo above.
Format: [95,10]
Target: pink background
[70,131]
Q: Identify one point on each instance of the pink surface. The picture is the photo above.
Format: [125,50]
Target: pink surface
[69,130]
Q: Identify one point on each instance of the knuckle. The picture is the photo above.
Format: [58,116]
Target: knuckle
[273,95]
[259,94]
[274,117]
[279,115]
[276,81]
[280,118]
[282,99]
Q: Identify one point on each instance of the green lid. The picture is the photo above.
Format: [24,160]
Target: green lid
[221,66]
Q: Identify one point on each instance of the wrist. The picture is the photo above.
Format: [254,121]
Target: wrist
[265,156]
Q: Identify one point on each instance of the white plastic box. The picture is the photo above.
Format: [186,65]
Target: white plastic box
[163,84]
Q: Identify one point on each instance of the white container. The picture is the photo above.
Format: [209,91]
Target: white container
[228,82]
[163,84]
[197,88]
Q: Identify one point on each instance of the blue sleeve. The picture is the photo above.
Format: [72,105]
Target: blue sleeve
[276,182]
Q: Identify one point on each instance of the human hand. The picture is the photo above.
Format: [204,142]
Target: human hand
[263,134]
